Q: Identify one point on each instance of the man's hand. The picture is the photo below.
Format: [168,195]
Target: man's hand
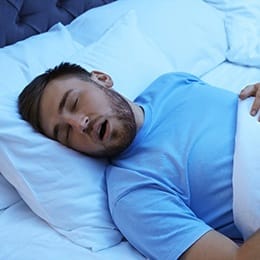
[252,91]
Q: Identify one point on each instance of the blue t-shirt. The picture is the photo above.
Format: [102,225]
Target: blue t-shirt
[174,182]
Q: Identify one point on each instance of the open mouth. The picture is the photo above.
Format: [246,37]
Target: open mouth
[103,130]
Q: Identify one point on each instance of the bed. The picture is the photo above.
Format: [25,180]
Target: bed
[53,202]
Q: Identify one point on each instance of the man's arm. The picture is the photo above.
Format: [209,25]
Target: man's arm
[252,91]
[215,246]
[250,249]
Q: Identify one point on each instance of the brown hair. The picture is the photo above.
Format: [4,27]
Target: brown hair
[29,99]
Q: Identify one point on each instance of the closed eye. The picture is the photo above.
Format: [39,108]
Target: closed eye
[74,106]
[68,130]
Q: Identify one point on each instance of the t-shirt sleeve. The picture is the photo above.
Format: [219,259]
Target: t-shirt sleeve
[157,222]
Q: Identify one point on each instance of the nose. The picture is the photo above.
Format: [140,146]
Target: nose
[78,122]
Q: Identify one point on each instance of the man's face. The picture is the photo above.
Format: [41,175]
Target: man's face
[87,117]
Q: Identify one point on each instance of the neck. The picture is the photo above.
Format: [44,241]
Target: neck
[138,114]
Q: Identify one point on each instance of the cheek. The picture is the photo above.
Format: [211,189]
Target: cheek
[101,108]
[83,144]
[96,104]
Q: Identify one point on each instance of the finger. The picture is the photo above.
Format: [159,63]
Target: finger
[248,91]
[256,104]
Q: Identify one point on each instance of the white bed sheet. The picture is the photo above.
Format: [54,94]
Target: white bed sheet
[246,154]
[232,76]
[25,236]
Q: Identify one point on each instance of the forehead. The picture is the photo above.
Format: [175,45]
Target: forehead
[61,85]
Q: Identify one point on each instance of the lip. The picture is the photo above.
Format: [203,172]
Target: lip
[107,132]
[97,128]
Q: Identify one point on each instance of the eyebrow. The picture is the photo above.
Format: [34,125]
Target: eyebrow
[60,108]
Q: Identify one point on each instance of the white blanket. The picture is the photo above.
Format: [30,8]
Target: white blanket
[246,175]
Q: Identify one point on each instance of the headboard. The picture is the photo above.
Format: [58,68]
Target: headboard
[20,19]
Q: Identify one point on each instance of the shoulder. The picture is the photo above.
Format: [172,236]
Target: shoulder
[166,85]
[173,80]
[176,76]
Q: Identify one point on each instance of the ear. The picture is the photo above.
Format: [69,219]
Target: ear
[102,78]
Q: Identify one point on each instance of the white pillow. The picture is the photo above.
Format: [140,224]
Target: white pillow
[65,188]
[24,60]
[243,30]
[54,181]
[19,63]
[190,32]
[243,33]
[127,55]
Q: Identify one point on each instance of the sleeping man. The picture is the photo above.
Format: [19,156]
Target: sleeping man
[169,180]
